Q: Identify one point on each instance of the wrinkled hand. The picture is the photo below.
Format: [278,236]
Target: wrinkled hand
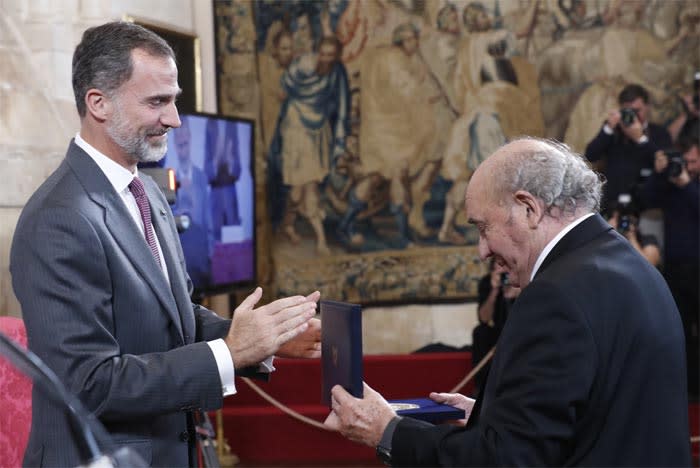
[361,420]
[256,334]
[458,401]
[306,345]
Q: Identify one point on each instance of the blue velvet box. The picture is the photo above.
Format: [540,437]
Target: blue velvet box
[426,409]
[341,362]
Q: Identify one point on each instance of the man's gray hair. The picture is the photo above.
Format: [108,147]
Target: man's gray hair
[555,174]
[102,60]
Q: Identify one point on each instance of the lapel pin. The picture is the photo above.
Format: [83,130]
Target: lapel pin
[162,212]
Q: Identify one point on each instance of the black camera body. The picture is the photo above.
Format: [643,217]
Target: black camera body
[627,116]
[624,224]
[627,213]
[675,164]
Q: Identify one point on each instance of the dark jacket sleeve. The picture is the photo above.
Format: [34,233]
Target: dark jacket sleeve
[596,148]
[659,139]
[530,412]
[690,194]
[654,190]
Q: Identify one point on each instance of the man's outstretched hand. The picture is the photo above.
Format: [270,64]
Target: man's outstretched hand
[257,333]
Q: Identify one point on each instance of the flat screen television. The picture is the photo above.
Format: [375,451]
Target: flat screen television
[212,158]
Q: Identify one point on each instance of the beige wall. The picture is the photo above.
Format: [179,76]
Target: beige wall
[37,110]
[38,117]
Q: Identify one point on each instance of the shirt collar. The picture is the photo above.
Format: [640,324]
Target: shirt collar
[118,176]
[548,248]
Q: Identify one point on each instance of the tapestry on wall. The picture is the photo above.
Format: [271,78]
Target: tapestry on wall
[373,114]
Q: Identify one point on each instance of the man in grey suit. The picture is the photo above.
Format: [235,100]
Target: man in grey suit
[589,369]
[98,269]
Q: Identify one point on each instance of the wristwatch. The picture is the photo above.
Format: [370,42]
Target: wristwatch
[384,446]
[384,454]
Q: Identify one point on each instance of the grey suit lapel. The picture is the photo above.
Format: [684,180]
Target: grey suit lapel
[178,283]
[123,229]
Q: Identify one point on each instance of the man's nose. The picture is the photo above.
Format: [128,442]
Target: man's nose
[170,117]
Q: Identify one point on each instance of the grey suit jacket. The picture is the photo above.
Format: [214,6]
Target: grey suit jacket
[102,315]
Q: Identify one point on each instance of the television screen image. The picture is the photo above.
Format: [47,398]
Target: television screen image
[212,159]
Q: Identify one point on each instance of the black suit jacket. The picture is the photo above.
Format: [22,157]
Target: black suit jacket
[589,371]
[100,312]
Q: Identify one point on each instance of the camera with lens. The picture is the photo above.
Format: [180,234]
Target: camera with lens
[627,116]
[627,213]
[675,163]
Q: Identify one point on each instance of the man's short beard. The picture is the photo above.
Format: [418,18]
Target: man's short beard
[135,144]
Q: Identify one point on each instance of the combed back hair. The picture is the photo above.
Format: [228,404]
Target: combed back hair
[102,60]
[555,174]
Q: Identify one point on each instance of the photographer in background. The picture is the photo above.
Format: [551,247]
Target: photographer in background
[690,112]
[625,220]
[626,143]
[496,297]
[675,188]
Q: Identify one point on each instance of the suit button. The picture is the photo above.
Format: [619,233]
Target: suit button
[184,436]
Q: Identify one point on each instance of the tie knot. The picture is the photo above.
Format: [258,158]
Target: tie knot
[136,187]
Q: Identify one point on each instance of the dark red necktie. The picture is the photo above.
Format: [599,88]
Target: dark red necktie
[138,191]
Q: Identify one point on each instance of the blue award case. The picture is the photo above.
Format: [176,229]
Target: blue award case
[341,360]
[426,409]
[341,348]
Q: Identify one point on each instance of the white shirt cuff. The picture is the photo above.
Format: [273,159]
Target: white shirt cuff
[607,129]
[224,363]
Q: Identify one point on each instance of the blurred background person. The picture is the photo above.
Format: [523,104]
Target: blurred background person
[675,188]
[192,201]
[223,167]
[496,297]
[625,220]
[626,144]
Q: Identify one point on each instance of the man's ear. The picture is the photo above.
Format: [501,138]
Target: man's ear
[97,104]
[534,209]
